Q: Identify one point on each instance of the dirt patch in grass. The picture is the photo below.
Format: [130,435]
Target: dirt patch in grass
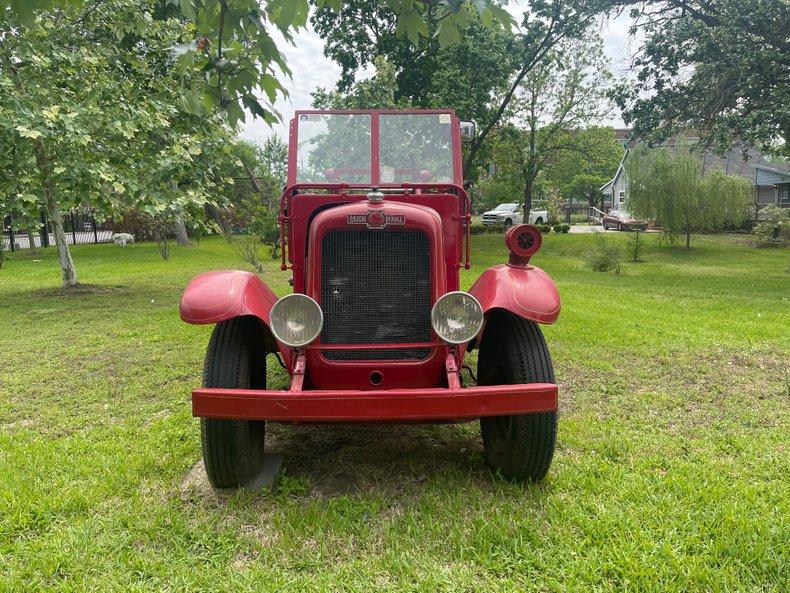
[79,290]
[683,389]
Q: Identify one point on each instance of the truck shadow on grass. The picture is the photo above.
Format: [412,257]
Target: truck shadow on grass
[390,460]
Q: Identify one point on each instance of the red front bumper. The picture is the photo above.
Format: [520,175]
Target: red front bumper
[384,405]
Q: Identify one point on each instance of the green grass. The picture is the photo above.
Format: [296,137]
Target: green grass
[671,472]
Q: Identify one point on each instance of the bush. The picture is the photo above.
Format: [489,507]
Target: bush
[603,256]
[635,245]
[138,223]
[544,228]
[248,247]
[557,228]
[480,229]
[772,224]
[565,228]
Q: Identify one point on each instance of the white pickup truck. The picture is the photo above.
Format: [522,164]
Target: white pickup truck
[509,214]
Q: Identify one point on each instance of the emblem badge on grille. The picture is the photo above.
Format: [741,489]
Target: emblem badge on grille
[376,219]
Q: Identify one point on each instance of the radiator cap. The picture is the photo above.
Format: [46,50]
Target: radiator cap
[375,196]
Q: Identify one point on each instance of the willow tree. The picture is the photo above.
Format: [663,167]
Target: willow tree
[669,186]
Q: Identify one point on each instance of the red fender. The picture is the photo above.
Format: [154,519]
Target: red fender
[216,296]
[526,291]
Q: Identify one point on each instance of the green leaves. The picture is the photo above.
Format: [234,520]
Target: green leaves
[411,24]
[25,133]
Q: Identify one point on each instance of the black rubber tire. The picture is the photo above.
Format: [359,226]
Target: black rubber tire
[508,223]
[513,350]
[539,220]
[605,227]
[233,450]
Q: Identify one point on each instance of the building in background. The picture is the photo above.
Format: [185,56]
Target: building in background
[771,180]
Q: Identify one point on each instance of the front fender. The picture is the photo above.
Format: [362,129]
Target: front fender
[212,297]
[525,291]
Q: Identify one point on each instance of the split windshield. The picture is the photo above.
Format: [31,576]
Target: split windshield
[413,148]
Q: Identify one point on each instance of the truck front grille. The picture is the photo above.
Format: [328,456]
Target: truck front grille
[375,289]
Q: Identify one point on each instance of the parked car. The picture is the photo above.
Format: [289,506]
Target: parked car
[622,221]
[509,214]
[377,328]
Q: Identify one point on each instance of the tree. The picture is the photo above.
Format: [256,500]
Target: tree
[479,74]
[580,173]
[234,55]
[424,71]
[718,67]
[669,187]
[89,116]
[559,96]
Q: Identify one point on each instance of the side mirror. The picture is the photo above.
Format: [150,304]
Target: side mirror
[468,131]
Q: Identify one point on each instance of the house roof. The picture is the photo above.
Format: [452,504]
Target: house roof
[610,184]
[773,170]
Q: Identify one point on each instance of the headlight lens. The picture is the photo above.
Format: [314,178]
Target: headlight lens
[296,320]
[457,317]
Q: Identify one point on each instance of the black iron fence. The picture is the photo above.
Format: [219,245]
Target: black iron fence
[79,227]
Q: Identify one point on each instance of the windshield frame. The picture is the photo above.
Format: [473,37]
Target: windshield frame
[375,177]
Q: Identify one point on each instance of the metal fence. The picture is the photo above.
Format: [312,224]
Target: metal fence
[80,228]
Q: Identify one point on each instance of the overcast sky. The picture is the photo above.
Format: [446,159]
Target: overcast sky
[311,69]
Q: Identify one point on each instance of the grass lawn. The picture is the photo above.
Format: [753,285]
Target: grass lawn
[671,471]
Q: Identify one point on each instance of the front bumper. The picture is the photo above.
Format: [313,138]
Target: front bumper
[384,405]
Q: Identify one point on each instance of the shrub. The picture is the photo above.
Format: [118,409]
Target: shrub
[772,223]
[138,223]
[635,245]
[565,228]
[248,246]
[603,256]
[557,228]
[544,228]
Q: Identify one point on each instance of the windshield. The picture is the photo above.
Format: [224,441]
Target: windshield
[333,147]
[506,207]
[416,148]
[338,147]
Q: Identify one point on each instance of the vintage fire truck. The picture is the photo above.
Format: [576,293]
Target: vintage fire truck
[375,231]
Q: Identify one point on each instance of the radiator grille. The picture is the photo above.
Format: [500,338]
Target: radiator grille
[375,289]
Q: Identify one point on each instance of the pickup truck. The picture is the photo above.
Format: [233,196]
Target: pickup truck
[508,214]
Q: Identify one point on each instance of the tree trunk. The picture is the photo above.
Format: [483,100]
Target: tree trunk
[214,213]
[688,238]
[528,186]
[31,238]
[180,230]
[67,271]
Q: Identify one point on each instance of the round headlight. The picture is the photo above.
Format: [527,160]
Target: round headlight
[457,317]
[296,320]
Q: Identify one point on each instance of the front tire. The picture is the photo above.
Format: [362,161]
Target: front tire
[512,351]
[508,223]
[233,450]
